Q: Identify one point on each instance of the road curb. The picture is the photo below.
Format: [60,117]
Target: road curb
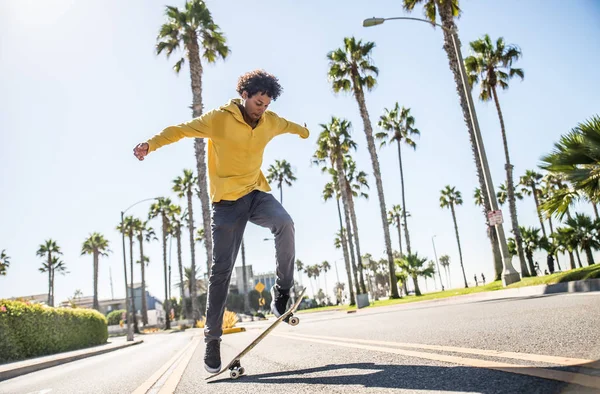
[8,373]
[233,330]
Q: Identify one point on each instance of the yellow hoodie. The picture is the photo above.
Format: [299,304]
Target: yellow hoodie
[235,150]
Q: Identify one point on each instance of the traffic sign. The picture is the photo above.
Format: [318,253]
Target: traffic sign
[495,217]
[259,287]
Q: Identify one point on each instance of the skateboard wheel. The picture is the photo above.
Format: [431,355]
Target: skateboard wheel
[242,371]
[294,321]
[234,374]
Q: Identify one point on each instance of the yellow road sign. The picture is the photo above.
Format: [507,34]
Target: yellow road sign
[259,287]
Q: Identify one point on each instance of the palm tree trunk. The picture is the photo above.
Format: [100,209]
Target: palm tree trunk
[135,324]
[399,234]
[193,292]
[572,260]
[355,226]
[180,266]
[143,268]
[280,193]
[50,279]
[590,256]
[403,199]
[595,206]
[459,248]
[346,256]
[447,19]
[52,292]
[537,207]
[551,234]
[200,145]
[245,279]
[360,98]
[510,184]
[576,250]
[416,283]
[344,192]
[166,304]
[95,304]
[531,266]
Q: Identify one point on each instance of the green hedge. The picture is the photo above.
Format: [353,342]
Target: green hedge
[32,330]
[114,317]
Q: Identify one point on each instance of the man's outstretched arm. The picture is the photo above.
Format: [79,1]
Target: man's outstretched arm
[285,126]
[196,128]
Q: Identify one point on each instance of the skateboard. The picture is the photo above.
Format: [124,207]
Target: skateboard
[235,368]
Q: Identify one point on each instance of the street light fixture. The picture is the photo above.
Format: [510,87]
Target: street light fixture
[509,274]
[437,263]
[128,303]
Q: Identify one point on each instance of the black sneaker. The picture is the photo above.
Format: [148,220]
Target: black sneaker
[212,356]
[280,300]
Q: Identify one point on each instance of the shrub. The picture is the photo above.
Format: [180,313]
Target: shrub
[35,330]
[114,317]
[229,320]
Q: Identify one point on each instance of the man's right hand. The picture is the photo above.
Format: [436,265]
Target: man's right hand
[141,150]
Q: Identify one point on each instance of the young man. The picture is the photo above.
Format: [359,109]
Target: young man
[237,134]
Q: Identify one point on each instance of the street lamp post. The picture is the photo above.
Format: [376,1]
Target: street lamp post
[437,263]
[128,301]
[509,274]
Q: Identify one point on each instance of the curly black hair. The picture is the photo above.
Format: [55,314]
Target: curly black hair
[259,81]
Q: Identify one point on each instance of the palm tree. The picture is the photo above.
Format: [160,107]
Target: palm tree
[532,185]
[145,234]
[351,70]
[448,11]
[333,143]
[355,182]
[130,228]
[281,172]
[445,262]
[565,240]
[576,156]
[325,266]
[414,266]
[165,209]
[532,242]
[491,66]
[394,218]
[450,198]
[184,187]
[502,194]
[49,249]
[55,265]
[194,29]
[329,190]
[398,125]
[176,223]
[97,246]
[585,234]
[4,262]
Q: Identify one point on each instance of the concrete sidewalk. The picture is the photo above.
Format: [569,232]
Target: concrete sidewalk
[11,370]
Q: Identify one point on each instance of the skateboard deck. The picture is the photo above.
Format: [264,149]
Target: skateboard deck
[235,368]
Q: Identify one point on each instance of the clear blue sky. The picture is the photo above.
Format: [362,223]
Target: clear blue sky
[81,85]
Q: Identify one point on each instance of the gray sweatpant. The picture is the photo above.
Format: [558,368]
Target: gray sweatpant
[229,220]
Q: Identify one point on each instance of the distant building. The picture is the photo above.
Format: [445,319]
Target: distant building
[105,306]
[34,299]
[268,279]
[238,279]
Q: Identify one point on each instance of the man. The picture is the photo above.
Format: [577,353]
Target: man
[237,134]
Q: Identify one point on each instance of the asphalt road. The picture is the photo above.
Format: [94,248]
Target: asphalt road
[543,344]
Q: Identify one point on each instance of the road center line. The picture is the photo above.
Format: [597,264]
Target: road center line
[564,361]
[175,377]
[147,385]
[568,377]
